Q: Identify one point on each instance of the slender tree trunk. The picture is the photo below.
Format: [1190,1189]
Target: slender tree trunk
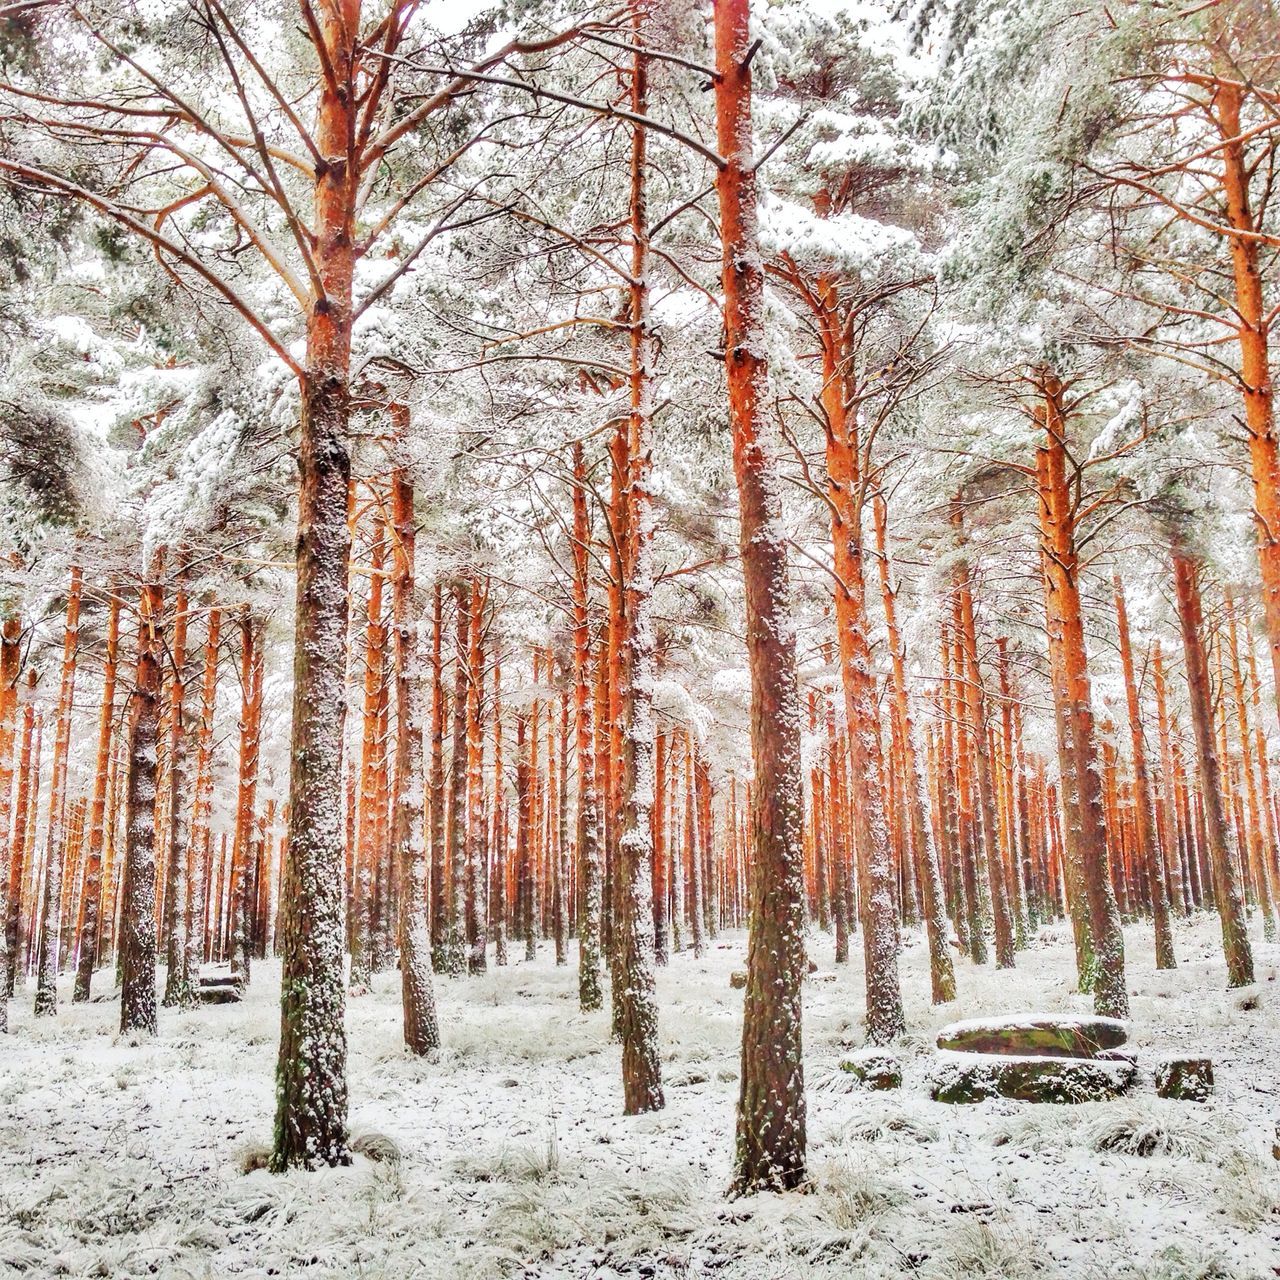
[477,907]
[818,821]
[941,970]
[178,865]
[408,827]
[1149,847]
[969,888]
[372,757]
[697,916]
[846,489]
[251,660]
[91,900]
[976,712]
[1011,773]
[1259,865]
[55,840]
[1073,697]
[17,869]
[563,896]
[10,666]
[661,854]
[138,923]
[1227,889]
[439,881]
[1264,765]
[202,810]
[526,895]
[1166,792]
[455,935]
[839,841]
[498,904]
[770,1148]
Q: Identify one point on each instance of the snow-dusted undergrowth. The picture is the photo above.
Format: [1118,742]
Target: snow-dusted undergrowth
[507,1154]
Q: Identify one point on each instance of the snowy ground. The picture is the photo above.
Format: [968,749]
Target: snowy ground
[508,1154]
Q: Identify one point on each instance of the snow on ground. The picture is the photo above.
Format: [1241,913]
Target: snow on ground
[509,1156]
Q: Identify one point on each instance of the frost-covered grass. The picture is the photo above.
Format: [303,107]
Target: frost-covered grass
[507,1153]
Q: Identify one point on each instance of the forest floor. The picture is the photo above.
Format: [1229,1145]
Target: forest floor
[508,1155]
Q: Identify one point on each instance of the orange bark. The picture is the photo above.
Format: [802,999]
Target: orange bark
[10,666]
[1228,891]
[928,874]
[91,899]
[590,976]
[1258,862]
[178,862]
[770,1148]
[138,922]
[55,839]
[1150,845]
[202,810]
[251,665]
[991,863]
[372,746]
[1073,700]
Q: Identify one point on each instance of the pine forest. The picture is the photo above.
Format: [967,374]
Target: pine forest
[640,638]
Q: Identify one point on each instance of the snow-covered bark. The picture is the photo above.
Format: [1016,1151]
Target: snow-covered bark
[928,873]
[1073,703]
[455,961]
[91,901]
[636,1006]
[55,837]
[138,908]
[477,906]
[10,669]
[367,851]
[771,1107]
[408,823]
[202,809]
[1228,891]
[178,864]
[242,846]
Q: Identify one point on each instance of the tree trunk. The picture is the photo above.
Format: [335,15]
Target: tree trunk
[476,906]
[1073,697]
[372,757]
[498,903]
[770,1147]
[138,922]
[10,666]
[439,882]
[178,864]
[455,933]
[661,854]
[846,488]
[91,900]
[251,660]
[17,870]
[51,927]
[525,892]
[202,810]
[941,970]
[563,896]
[311,1092]
[1227,889]
[1149,847]
[408,833]
[976,713]
[1255,359]
[1259,864]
